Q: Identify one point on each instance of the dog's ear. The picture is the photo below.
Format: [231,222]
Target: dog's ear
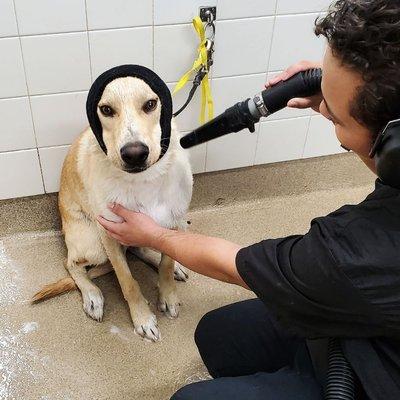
[137,71]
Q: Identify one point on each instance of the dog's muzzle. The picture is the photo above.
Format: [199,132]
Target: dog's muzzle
[135,155]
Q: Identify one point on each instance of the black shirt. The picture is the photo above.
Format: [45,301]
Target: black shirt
[341,279]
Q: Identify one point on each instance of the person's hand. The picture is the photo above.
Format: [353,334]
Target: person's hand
[307,102]
[136,229]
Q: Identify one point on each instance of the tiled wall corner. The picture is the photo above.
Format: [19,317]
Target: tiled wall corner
[54,50]
[51,159]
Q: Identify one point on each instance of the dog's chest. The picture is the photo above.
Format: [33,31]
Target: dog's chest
[165,200]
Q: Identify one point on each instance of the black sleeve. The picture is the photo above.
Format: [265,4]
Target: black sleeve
[300,282]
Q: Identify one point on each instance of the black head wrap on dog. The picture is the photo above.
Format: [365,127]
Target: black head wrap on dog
[137,71]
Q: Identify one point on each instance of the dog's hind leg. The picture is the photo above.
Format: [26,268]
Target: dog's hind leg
[153,258]
[144,320]
[168,301]
[93,301]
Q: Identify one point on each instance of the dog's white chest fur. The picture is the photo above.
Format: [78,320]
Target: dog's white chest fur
[166,199]
[163,191]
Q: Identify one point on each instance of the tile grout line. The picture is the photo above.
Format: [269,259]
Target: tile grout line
[306,138]
[182,131]
[266,77]
[161,25]
[88,42]
[168,83]
[29,100]
[153,33]
[44,94]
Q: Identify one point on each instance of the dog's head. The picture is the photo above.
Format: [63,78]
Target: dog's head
[130,114]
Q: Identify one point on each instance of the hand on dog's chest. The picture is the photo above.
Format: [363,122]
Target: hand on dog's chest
[166,213]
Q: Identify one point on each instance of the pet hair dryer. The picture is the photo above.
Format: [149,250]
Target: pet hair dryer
[246,113]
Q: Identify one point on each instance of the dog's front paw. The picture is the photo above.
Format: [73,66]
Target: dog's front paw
[169,305]
[147,328]
[93,303]
[180,273]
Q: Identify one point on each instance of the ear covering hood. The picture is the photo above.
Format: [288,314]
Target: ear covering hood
[137,71]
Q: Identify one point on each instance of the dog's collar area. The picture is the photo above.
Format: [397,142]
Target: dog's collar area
[137,71]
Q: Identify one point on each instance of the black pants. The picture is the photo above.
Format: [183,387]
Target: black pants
[250,357]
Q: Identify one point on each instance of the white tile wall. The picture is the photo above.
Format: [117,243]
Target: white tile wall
[56,63]
[281,140]
[321,138]
[16,125]
[231,9]
[198,158]
[51,159]
[51,50]
[104,14]
[243,46]
[58,118]
[50,16]
[293,6]
[109,48]
[20,174]
[294,40]
[8,22]
[12,78]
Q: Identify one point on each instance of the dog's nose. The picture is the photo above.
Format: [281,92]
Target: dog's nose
[134,154]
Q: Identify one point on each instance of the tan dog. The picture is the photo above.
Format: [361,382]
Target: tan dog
[132,175]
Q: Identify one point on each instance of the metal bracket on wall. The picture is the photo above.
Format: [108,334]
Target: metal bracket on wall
[205,13]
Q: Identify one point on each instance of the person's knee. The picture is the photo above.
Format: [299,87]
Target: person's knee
[204,330]
[188,392]
[181,395]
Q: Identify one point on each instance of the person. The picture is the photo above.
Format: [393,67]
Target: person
[342,278]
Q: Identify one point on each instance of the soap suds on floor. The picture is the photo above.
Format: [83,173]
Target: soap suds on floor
[114,329]
[10,278]
[29,327]
[117,331]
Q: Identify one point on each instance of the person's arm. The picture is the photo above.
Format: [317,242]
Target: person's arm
[213,257]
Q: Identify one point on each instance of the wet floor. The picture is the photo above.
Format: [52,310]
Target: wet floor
[53,351]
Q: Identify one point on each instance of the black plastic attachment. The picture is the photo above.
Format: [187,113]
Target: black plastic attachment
[234,119]
[239,117]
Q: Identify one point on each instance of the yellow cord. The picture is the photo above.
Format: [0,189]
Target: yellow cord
[199,63]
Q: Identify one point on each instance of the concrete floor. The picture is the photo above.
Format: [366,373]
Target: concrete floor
[53,351]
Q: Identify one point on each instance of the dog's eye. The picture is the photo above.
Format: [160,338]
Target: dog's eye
[107,111]
[149,106]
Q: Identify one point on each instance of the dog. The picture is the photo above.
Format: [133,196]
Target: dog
[130,173]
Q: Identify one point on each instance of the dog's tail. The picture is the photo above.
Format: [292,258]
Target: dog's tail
[54,289]
[67,284]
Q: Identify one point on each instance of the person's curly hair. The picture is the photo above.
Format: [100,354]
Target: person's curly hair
[365,36]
